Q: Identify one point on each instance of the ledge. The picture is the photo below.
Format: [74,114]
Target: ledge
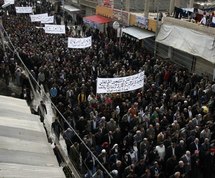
[194,26]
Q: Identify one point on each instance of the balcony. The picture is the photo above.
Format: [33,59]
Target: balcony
[89,3]
[186,24]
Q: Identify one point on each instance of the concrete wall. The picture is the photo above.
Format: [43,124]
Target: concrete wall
[185,24]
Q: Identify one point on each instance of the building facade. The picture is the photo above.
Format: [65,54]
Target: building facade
[143,9]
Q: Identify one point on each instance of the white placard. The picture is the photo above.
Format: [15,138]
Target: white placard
[9,1]
[49,19]
[55,29]
[38,17]
[122,84]
[79,42]
[24,10]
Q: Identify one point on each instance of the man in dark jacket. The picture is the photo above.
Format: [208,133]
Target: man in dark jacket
[42,111]
[56,128]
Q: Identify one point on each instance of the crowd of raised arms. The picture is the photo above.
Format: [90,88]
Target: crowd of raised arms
[165,129]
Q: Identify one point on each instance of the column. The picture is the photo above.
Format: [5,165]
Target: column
[170,51]
[127,5]
[178,3]
[2,36]
[191,3]
[171,7]
[146,8]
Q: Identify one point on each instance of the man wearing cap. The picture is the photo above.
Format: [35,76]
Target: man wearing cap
[103,158]
[155,170]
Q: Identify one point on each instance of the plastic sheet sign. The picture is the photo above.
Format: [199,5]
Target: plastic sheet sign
[49,19]
[55,29]
[122,84]
[38,17]
[24,10]
[9,1]
[79,42]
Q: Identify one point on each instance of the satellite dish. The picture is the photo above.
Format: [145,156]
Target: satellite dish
[116,25]
[5,5]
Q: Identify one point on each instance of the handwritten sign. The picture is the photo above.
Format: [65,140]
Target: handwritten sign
[49,19]
[24,10]
[9,1]
[38,17]
[121,84]
[79,42]
[55,29]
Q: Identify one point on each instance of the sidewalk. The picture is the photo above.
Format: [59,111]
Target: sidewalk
[49,118]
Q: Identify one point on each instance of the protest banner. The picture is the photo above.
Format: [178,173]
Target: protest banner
[24,10]
[49,19]
[55,29]
[121,84]
[38,17]
[79,42]
[9,1]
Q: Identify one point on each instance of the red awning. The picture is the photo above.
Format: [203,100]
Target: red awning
[97,19]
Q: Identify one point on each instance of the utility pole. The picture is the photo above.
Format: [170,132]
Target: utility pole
[157,22]
[191,3]
[171,7]
[2,36]
[146,9]
[178,3]
[63,4]
[120,30]
[127,5]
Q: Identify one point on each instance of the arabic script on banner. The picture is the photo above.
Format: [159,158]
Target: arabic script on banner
[49,19]
[55,29]
[79,42]
[9,1]
[24,10]
[122,84]
[38,17]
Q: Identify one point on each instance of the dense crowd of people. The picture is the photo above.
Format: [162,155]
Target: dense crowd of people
[165,129]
